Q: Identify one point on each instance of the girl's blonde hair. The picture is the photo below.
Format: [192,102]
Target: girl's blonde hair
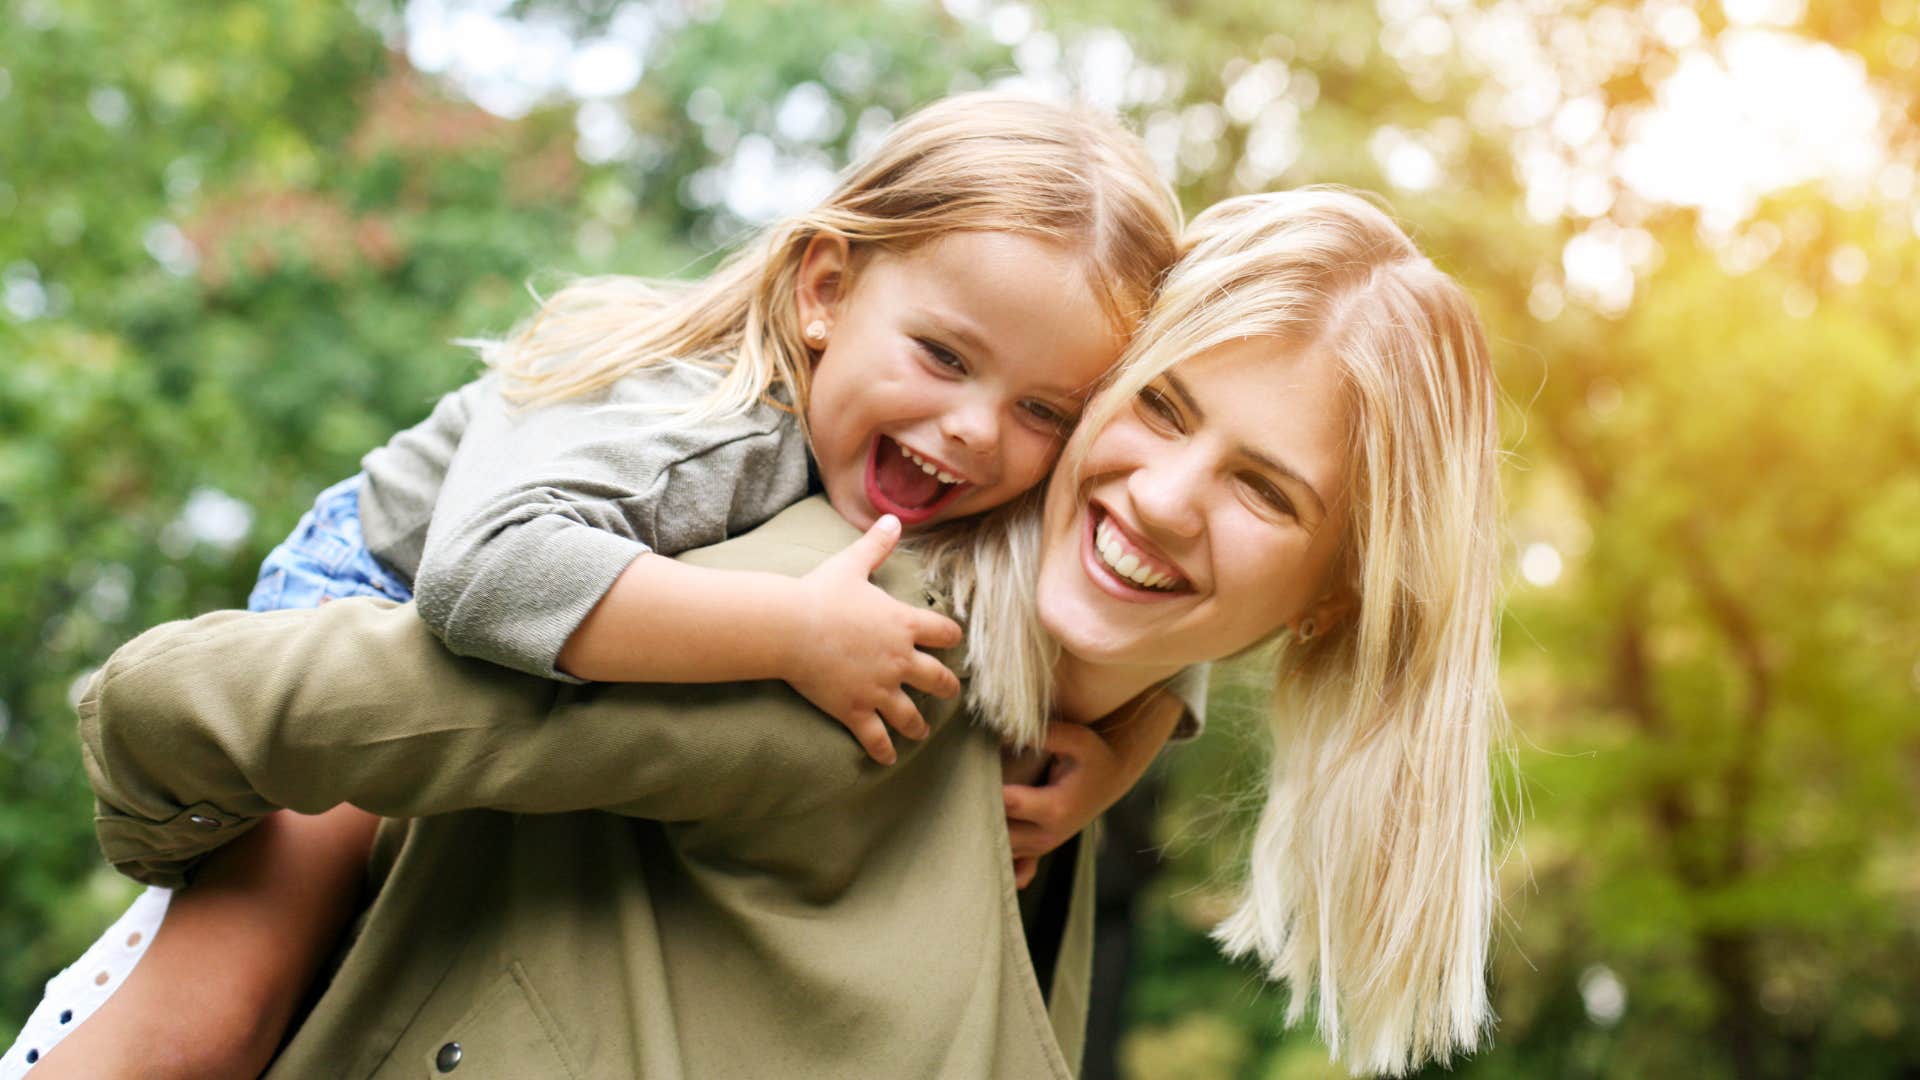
[1064,174]
[1371,887]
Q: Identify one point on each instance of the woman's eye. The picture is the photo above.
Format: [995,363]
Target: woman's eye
[1268,493]
[941,355]
[1157,410]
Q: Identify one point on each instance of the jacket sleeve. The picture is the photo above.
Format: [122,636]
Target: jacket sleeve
[194,730]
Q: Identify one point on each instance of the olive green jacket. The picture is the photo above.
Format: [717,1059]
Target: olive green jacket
[603,881]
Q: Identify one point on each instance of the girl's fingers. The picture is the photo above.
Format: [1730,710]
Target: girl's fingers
[932,630]
[871,732]
[872,549]
[1024,867]
[903,717]
[1071,740]
[1026,838]
[1014,798]
[926,673]
[1023,803]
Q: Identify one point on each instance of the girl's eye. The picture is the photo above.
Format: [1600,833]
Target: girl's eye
[1269,494]
[941,356]
[1158,410]
[1047,416]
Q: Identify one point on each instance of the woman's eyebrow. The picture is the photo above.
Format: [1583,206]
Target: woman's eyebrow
[1265,461]
[1186,396]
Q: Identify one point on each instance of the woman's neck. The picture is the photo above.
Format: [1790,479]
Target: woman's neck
[1084,692]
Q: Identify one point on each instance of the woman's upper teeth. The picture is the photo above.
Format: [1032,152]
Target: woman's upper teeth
[1113,552]
[929,467]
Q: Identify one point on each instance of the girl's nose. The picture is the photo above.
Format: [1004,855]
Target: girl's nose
[1166,491]
[973,424]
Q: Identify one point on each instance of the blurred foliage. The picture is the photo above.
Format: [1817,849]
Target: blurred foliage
[237,239]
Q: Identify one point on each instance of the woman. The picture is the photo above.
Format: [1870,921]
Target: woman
[1301,445]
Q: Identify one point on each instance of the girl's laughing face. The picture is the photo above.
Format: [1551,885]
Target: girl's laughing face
[951,372]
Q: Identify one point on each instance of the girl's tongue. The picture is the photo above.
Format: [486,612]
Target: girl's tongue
[900,480]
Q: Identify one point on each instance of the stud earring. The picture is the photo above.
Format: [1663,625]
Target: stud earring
[816,332]
[1308,628]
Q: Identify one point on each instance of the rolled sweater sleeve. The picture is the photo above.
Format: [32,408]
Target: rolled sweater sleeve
[194,730]
[543,508]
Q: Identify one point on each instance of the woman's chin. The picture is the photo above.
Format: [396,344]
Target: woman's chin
[1081,631]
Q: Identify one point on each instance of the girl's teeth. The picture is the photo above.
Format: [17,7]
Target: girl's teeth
[928,467]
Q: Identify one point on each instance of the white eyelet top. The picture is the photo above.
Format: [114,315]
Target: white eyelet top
[76,993]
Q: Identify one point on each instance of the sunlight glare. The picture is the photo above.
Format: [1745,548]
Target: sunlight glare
[1541,564]
[1774,110]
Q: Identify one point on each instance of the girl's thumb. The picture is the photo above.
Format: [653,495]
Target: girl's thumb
[873,548]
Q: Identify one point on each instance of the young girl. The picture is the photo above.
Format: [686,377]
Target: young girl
[919,343]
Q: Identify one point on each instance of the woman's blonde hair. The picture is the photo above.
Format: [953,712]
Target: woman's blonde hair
[1064,174]
[1370,889]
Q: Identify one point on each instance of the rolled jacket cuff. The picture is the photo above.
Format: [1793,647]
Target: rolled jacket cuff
[165,852]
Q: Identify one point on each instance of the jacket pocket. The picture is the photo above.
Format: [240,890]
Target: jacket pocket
[509,1034]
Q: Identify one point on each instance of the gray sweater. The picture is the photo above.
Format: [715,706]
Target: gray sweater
[513,523]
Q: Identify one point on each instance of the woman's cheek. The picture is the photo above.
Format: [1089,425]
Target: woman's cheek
[1126,439]
[1273,569]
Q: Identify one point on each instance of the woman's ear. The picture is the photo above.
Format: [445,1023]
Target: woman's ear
[1334,607]
[822,282]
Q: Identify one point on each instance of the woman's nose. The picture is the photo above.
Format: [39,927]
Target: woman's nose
[1166,491]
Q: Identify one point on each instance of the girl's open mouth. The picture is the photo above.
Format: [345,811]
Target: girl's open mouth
[907,485]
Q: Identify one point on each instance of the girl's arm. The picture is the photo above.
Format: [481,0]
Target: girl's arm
[232,960]
[842,642]
[544,555]
[541,509]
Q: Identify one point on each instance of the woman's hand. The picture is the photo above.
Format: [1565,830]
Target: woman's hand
[1088,769]
[861,647]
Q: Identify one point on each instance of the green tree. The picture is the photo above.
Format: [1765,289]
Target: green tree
[237,254]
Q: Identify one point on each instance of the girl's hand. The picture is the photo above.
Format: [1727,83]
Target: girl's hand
[1087,769]
[1084,776]
[860,648]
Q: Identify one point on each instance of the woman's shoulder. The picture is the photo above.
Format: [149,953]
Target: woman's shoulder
[792,541]
[799,537]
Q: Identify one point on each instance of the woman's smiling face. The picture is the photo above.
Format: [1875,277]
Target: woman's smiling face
[1205,516]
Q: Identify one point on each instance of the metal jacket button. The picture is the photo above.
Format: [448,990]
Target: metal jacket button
[447,1058]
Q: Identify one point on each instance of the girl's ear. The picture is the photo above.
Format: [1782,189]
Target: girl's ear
[822,281]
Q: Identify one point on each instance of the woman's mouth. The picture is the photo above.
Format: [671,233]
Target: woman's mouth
[1121,564]
[908,484]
